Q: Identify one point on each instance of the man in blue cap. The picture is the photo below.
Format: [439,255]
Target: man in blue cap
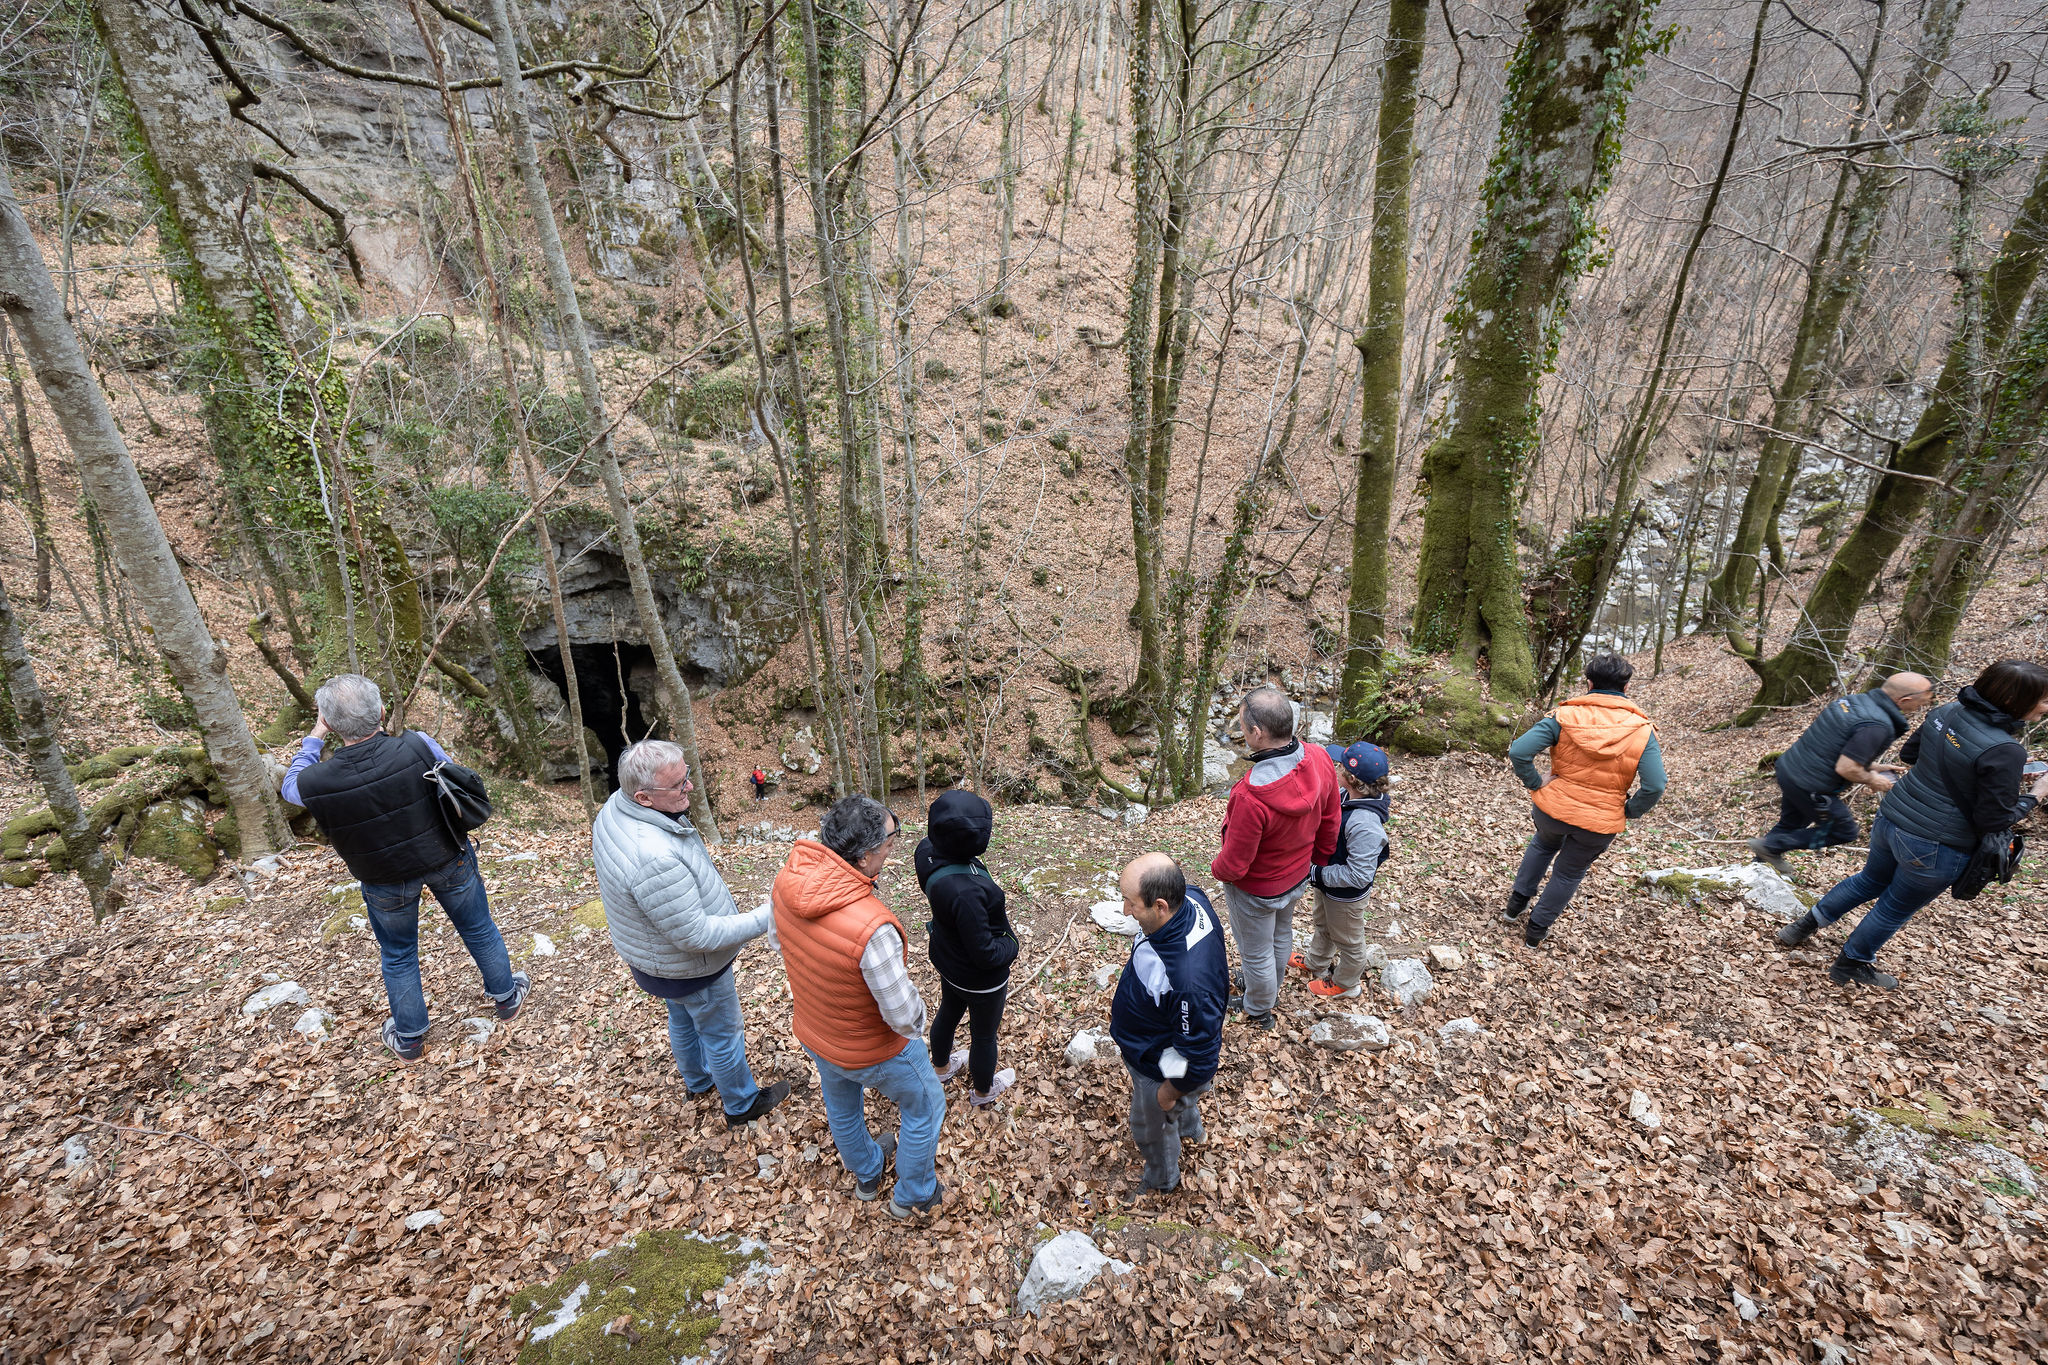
[1336,954]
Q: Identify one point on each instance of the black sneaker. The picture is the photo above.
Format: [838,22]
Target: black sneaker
[868,1190]
[398,1047]
[1235,1004]
[903,1211]
[1763,853]
[1517,903]
[1847,973]
[763,1102]
[1533,936]
[1262,1022]
[1799,930]
[522,986]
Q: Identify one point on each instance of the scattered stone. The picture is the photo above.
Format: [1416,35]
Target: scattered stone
[1277,1089]
[1457,1029]
[1826,1352]
[1753,883]
[1062,1269]
[1375,957]
[624,1180]
[543,946]
[1087,1046]
[275,994]
[1407,981]
[767,1164]
[1994,1016]
[595,1161]
[425,1218]
[1370,1219]
[1629,1314]
[1351,1033]
[1395,931]
[76,1153]
[313,1023]
[1745,1306]
[529,856]
[1105,976]
[1110,917]
[1446,959]
[809,1154]
[1643,1112]
[479,1028]
[1135,813]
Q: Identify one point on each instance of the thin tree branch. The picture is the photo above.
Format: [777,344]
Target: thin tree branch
[342,238]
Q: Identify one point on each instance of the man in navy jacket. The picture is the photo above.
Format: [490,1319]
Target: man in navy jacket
[1167,1016]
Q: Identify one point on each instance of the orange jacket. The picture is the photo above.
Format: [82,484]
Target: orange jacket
[1600,741]
[825,913]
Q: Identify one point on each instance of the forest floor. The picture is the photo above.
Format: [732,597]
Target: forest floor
[233,1190]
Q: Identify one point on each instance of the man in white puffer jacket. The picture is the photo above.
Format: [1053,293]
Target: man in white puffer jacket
[675,924]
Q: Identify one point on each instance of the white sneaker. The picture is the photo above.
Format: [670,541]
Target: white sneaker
[952,1068]
[1004,1079]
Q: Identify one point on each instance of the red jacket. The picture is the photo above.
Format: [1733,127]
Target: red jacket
[1282,815]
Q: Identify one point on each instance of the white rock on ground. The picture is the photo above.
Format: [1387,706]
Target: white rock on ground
[1755,883]
[1062,1269]
[1110,916]
[1745,1306]
[1407,981]
[1643,1112]
[1375,957]
[477,1028]
[543,946]
[1135,813]
[1104,976]
[425,1218]
[1446,959]
[76,1153]
[1087,1046]
[1467,1028]
[1994,1016]
[1351,1033]
[313,1023]
[1394,929]
[275,994]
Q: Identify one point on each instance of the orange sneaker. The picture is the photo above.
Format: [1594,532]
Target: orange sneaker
[1300,963]
[1330,990]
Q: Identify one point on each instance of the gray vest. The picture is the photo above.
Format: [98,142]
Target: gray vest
[1944,774]
[1809,765]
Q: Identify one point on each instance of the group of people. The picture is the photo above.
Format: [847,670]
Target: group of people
[1305,822]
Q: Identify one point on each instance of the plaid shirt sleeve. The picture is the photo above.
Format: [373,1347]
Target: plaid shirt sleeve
[888,978]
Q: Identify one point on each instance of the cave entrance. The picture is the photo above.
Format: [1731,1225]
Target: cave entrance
[612,677]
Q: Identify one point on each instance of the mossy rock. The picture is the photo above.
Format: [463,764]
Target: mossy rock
[16,833]
[175,832]
[1454,712]
[590,915]
[101,767]
[656,1280]
[21,875]
[289,724]
[221,905]
[348,910]
[1937,1120]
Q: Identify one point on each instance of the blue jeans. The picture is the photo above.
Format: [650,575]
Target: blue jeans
[395,920]
[709,1039]
[1903,873]
[908,1079]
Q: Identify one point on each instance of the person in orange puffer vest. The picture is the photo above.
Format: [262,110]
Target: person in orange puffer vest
[1601,745]
[857,1011]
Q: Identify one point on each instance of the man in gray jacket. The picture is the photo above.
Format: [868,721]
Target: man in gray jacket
[674,922]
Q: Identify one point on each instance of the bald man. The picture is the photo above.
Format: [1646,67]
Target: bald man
[1840,748]
[1167,1014]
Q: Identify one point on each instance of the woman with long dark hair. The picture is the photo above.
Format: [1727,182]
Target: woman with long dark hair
[1965,784]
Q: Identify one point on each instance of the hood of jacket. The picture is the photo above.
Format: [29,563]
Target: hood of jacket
[816,881]
[1266,783]
[961,823]
[1988,713]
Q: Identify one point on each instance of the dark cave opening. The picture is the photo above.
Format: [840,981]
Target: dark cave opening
[612,707]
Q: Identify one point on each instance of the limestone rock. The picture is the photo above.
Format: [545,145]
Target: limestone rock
[1351,1033]
[313,1023]
[800,754]
[275,994]
[1994,1016]
[1407,981]
[1446,959]
[1752,883]
[477,1028]
[1643,1112]
[425,1218]
[1460,1030]
[1088,1046]
[1062,1269]
[1745,1306]
[543,946]
[1216,760]
[1135,813]
[1110,916]
[1104,976]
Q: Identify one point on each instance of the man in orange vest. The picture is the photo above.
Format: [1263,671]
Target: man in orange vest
[1601,745]
[857,1011]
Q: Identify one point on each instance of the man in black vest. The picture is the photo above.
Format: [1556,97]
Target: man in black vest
[373,803]
[1841,746]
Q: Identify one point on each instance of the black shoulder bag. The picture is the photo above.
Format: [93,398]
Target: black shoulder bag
[460,795]
[1998,853]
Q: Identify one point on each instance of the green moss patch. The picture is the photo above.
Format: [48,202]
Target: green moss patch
[1453,711]
[656,1282]
[590,915]
[1936,1119]
[175,832]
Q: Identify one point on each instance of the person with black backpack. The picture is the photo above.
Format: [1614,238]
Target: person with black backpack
[377,798]
[972,943]
[1336,953]
[1944,820]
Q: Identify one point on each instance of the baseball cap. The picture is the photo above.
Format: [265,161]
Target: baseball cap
[1365,762]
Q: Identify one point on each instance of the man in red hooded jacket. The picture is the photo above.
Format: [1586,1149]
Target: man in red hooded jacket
[1282,816]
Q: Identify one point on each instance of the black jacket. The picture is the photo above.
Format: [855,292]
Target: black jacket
[1965,781]
[373,801]
[972,943]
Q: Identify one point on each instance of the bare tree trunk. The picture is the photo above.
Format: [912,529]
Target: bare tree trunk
[596,421]
[195,658]
[31,470]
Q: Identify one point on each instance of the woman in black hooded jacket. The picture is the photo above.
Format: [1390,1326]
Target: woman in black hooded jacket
[972,944]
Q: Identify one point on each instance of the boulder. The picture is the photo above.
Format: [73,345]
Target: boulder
[1110,916]
[1751,883]
[1216,760]
[1135,813]
[275,994]
[1407,981]
[1062,1269]
[1351,1033]
[800,754]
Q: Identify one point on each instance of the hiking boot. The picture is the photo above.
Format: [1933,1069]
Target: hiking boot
[1300,963]
[904,1211]
[763,1102]
[522,986]
[952,1066]
[1517,903]
[1848,973]
[1533,936]
[1261,1022]
[867,1190]
[1002,1081]
[398,1047]
[1799,930]
[1763,853]
[1330,990]
[1235,1004]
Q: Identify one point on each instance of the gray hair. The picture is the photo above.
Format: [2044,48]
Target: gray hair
[1269,709]
[641,766]
[351,704]
[855,827]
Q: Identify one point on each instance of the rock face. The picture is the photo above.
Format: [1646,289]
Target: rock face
[1351,1033]
[1216,760]
[1752,883]
[1407,981]
[1063,1267]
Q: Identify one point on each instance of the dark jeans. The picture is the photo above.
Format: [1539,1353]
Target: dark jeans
[984,1017]
[1903,873]
[1810,820]
[1574,849]
[395,920]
